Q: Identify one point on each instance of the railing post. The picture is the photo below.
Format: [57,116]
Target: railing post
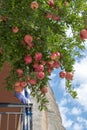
[29,115]
[25,114]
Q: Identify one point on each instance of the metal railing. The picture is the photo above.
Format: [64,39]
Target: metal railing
[15,116]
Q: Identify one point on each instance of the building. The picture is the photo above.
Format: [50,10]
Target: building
[42,120]
[50,119]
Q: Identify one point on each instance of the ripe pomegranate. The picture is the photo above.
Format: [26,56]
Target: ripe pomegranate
[20,72]
[15,29]
[48,15]
[83,34]
[28,38]
[50,64]
[30,44]
[34,5]
[49,70]
[58,55]
[53,56]
[35,66]
[32,81]
[51,2]
[69,76]
[44,90]
[23,84]
[62,74]
[17,84]
[38,56]
[40,68]
[28,59]
[17,87]
[56,18]
[40,75]
[56,64]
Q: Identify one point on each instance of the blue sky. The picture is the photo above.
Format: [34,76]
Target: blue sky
[73,111]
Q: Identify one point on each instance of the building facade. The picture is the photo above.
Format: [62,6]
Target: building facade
[49,119]
[42,120]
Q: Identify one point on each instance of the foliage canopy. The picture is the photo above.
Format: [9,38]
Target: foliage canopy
[29,27]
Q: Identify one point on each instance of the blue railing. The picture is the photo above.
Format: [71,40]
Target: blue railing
[15,116]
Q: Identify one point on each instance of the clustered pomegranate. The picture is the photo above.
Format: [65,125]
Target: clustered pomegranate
[67,75]
[40,67]
[53,17]
[19,86]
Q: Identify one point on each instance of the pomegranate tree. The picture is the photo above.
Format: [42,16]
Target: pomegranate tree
[34,42]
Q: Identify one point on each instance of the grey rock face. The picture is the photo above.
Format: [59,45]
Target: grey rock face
[49,119]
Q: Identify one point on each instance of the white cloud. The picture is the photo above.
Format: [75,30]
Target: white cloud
[63,102]
[80,75]
[66,122]
[82,94]
[83,121]
[77,126]
[64,110]
[76,111]
[80,79]
[62,84]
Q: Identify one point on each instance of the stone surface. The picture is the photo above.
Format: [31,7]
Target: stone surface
[49,119]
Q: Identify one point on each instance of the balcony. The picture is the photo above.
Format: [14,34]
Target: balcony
[15,116]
